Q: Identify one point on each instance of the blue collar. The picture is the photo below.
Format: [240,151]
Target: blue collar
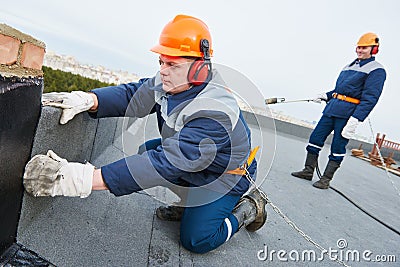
[177,99]
[363,61]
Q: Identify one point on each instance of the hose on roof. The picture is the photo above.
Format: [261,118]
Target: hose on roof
[356,205]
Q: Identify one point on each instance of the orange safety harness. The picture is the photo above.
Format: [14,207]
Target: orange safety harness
[242,169]
[346,98]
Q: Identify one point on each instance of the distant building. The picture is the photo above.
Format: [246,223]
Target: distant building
[70,64]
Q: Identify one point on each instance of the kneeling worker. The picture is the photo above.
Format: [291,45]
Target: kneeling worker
[204,147]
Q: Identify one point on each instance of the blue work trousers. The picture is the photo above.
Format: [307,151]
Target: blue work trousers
[324,127]
[206,227]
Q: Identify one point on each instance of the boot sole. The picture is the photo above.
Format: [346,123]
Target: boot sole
[302,177]
[254,226]
[321,187]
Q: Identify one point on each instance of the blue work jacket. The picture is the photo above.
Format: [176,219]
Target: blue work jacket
[203,135]
[361,79]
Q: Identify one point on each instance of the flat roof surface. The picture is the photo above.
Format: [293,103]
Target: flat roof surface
[103,230]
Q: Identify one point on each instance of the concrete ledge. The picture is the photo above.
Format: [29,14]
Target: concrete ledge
[304,133]
[280,126]
[73,141]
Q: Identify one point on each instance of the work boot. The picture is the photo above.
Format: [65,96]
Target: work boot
[330,170]
[174,211]
[170,213]
[250,211]
[308,172]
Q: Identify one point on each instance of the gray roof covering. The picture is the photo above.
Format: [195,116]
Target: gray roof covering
[103,230]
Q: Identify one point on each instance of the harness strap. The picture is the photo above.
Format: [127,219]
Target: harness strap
[346,98]
[242,169]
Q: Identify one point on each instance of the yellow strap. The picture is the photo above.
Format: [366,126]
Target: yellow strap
[237,171]
[252,155]
[242,170]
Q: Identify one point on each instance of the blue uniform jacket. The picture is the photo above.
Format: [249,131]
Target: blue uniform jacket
[361,79]
[203,135]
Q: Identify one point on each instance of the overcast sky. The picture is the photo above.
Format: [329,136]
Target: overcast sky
[292,49]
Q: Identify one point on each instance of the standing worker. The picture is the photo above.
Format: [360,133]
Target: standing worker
[205,144]
[357,91]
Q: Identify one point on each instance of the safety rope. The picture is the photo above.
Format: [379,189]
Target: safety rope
[287,220]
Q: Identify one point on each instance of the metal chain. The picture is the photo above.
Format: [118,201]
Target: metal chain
[287,220]
[382,160]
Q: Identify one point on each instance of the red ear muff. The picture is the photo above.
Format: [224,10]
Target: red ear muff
[199,72]
[375,50]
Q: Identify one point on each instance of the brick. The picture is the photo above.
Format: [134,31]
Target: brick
[8,49]
[32,56]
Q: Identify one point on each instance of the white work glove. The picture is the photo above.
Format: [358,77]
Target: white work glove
[71,103]
[50,175]
[318,98]
[350,129]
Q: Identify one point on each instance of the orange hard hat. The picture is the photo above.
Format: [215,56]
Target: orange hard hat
[182,37]
[368,39]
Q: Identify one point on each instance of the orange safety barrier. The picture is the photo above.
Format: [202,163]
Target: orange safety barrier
[385,144]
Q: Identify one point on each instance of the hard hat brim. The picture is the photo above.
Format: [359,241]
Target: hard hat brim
[365,44]
[160,49]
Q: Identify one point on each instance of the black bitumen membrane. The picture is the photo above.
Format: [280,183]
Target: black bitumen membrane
[103,230]
[18,121]
[19,255]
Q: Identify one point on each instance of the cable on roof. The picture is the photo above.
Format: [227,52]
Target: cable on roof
[356,205]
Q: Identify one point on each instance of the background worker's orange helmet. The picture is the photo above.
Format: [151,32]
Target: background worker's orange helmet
[182,37]
[368,39]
